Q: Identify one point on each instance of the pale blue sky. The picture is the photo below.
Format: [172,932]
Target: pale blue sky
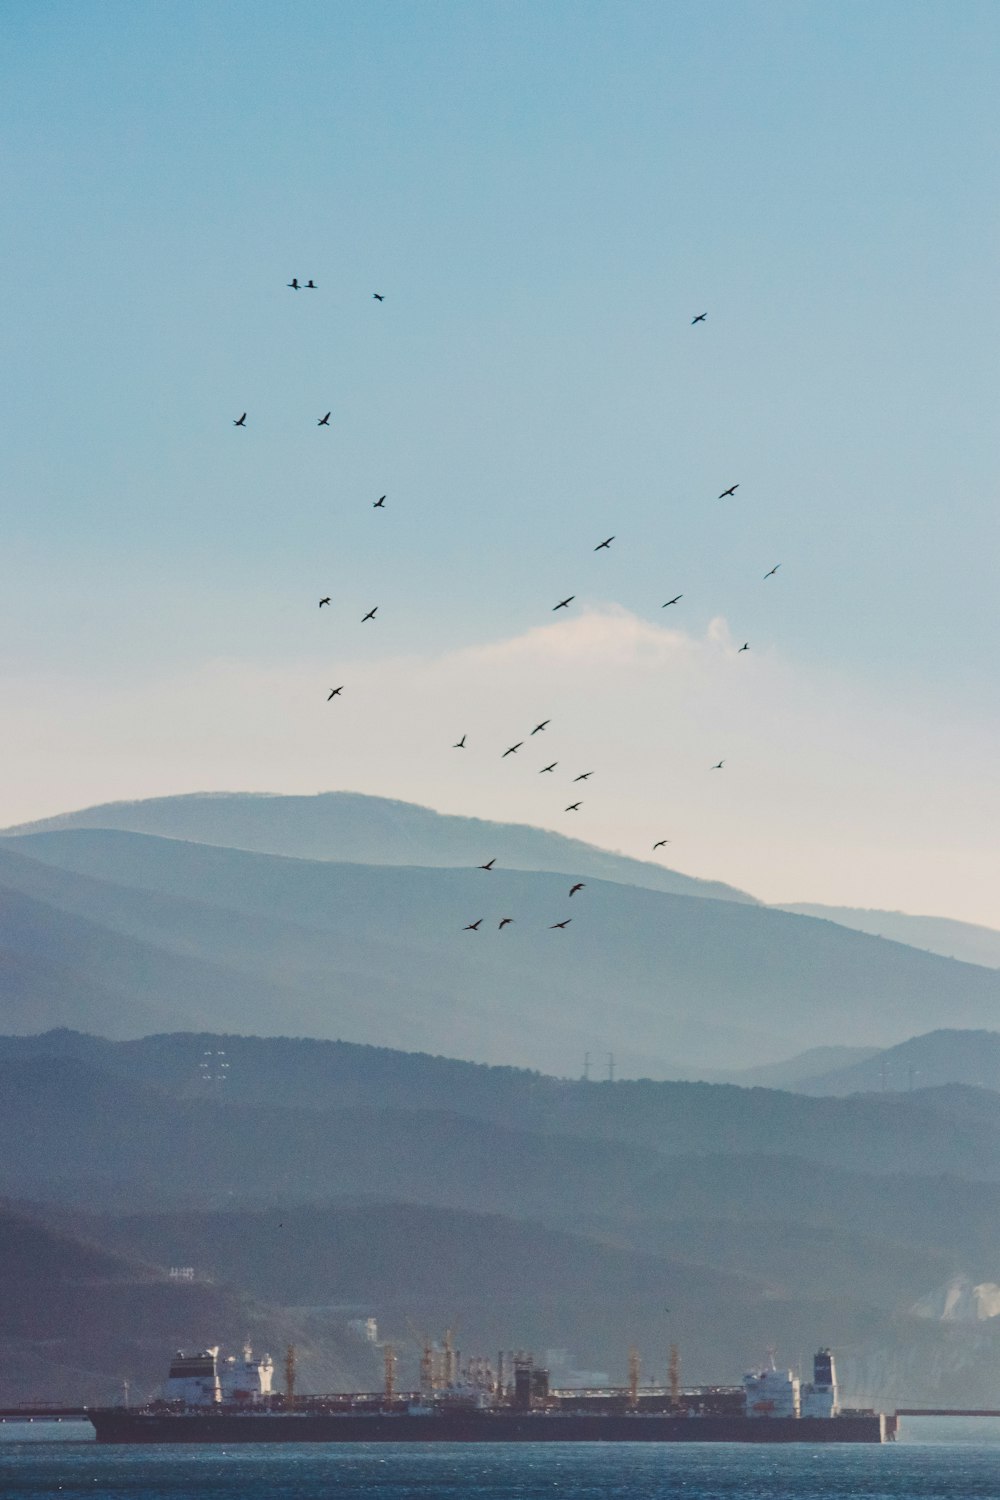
[546,194]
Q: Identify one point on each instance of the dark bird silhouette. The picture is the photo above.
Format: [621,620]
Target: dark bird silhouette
[488,865]
[557,925]
[378,296]
[240,421]
[674,600]
[718,765]
[324,421]
[773,571]
[544,724]
[563,603]
[513,750]
[573,807]
[459,744]
[472,927]
[699,319]
[731,491]
[504,922]
[324,601]
[379,503]
[659,844]
[311,286]
[745,647]
[335,693]
[606,543]
[548,768]
[580,885]
[584,776]
[294,284]
[369,616]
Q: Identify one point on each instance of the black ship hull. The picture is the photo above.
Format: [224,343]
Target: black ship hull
[116,1425]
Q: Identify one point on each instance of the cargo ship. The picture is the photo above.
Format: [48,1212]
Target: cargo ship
[206,1400]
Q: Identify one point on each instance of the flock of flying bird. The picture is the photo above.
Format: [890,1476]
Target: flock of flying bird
[379,504]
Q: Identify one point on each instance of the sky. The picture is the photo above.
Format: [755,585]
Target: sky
[546,195]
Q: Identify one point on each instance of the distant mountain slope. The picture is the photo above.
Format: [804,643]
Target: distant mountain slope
[351,828]
[59,967]
[75,1319]
[583,1149]
[942,935]
[931,1061]
[788,1073]
[378,954]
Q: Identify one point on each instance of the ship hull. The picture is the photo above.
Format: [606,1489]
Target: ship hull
[116,1425]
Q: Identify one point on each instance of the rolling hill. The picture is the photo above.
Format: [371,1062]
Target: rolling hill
[939,1058]
[378,954]
[942,935]
[351,828]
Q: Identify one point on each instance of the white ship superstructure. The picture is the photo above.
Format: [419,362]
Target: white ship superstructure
[246,1381]
[196,1380]
[771,1392]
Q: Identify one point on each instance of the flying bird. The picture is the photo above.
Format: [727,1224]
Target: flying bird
[324,421]
[699,319]
[563,603]
[548,768]
[311,286]
[324,601]
[369,616]
[513,750]
[459,744]
[544,724]
[731,491]
[378,296]
[674,600]
[557,925]
[745,647]
[379,503]
[573,807]
[773,571]
[504,922]
[472,927]
[606,543]
[240,421]
[584,776]
[294,284]
[580,885]
[335,693]
[718,765]
[659,844]
[488,865]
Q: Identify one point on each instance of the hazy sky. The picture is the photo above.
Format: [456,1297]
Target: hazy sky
[546,194]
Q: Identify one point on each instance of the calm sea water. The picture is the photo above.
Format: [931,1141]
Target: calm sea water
[30,1466]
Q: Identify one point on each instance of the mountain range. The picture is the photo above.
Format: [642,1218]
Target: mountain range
[276,1056]
[126,933]
[327,1181]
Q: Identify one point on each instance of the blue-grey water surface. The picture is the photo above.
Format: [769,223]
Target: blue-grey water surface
[922,1470]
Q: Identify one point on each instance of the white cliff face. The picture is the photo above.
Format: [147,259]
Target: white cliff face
[959,1301]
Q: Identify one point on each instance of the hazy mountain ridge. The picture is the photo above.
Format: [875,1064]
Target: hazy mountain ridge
[942,935]
[377,954]
[352,828]
[941,1058]
[558,1150]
